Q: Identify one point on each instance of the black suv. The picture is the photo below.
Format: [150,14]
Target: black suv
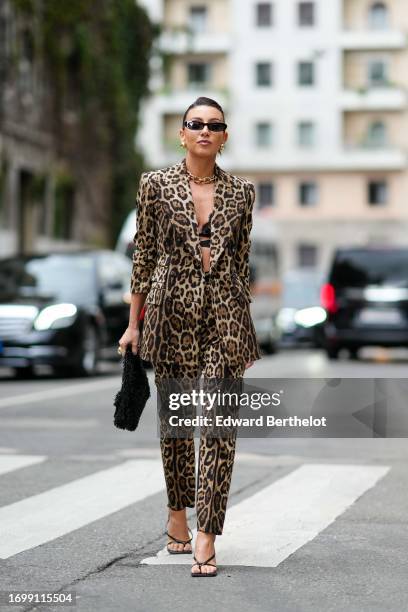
[366,299]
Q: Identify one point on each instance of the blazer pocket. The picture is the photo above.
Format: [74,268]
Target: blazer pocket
[156,294]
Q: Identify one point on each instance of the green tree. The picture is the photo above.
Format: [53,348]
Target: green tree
[96,54]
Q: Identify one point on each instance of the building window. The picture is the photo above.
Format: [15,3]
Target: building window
[64,209]
[26,61]
[198,19]
[378,16]
[307,255]
[308,193]
[377,73]
[266,194]
[264,74]
[306,13]
[306,134]
[377,192]
[306,73]
[198,74]
[264,135]
[264,14]
[376,135]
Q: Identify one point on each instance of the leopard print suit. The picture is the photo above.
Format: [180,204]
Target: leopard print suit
[167,265]
[196,323]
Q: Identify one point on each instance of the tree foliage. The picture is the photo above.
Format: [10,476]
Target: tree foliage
[97,55]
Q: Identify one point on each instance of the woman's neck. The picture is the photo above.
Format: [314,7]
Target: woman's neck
[200,166]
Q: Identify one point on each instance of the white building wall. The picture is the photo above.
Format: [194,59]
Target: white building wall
[285,103]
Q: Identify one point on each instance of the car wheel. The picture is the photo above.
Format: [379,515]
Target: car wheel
[266,348]
[88,363]
[62,371]
[332,353]
[271,348]
[24,373]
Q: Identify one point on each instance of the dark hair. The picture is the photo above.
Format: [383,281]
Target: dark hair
[202,101]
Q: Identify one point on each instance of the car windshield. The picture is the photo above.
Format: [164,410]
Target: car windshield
[65,278]
[370,267]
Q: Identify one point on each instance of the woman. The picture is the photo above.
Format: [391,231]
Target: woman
[191,269]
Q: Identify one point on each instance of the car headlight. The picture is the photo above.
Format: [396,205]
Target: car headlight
[308,317]
[285,319]
[55,317]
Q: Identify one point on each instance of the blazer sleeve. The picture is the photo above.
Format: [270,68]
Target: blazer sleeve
[145,239]
[244,241]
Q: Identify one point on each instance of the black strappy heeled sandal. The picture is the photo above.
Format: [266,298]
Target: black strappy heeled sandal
[200,563]
[179,552]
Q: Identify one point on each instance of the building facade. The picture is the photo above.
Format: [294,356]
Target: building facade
[315,95]
[54,191]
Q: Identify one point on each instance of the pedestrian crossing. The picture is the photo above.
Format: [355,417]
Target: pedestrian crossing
[267,527]
[261,530]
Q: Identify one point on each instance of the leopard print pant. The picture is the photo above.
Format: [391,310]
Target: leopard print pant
[216,454]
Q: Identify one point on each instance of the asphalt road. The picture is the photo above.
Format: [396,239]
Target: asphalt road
[313,523]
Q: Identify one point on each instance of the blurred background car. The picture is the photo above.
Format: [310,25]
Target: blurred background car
[263,312]
[366,299]
[300,317]
[65,310]
[125,244]
[267,333]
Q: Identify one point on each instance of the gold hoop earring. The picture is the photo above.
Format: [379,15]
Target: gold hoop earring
[183,144]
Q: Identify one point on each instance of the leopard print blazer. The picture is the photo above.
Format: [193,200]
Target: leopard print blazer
[167,266]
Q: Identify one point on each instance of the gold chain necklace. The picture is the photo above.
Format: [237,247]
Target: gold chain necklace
[201,180]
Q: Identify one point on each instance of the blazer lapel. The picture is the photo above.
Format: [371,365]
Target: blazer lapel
[184,216]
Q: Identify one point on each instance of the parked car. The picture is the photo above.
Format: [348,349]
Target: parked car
[366,299]
[62,309]
[301,316]
[267,333]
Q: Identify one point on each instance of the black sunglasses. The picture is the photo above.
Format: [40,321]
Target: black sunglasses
[216,126]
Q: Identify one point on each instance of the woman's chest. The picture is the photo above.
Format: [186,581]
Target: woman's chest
[187,210]
[203,202]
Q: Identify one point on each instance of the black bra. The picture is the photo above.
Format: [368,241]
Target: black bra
[206,232]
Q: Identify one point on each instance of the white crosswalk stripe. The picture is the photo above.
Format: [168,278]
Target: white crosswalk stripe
[26,399]
[9,463]
[265,528]
[54,513]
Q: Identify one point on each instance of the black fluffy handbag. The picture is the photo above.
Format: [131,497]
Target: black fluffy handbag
[133,394]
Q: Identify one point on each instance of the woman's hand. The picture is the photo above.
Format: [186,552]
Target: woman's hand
[249,364]
[131,336]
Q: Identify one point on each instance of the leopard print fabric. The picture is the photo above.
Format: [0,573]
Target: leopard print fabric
[167,266]
[216,454]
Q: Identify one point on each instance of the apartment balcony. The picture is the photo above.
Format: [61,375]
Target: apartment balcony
[347,159]
[373,98]
[370,158]
[357,160]
[182,42]
[372,40]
